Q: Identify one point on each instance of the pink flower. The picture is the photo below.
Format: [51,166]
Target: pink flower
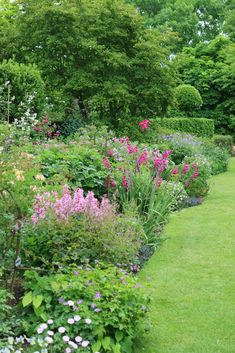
[124,182]
[175,171]
[167,153]
[66,338]
[194,165]
[195,175]
[187,183]
[132,149]
[106,163]
[185,168]
[144,124]
[143,159]
[78,339]
[110,153]
[159,181]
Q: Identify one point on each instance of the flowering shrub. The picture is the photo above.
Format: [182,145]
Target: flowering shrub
[89,310]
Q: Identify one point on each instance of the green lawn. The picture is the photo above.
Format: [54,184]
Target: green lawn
[192,277]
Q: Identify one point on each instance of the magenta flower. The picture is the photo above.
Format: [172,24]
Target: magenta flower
[124,182]
[106,163]
[187,183]
[185,168]
[195,175]
[143,159]
[144,124]
[175,171]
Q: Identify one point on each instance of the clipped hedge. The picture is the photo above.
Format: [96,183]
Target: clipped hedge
[196,126]
[224,141]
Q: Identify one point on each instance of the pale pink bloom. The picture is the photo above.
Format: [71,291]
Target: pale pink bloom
[85,343]
[88,321]
[66,338]
[70,321]
[78,339]
[61,329]
[77,318]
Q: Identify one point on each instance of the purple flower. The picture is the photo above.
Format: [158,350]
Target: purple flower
[97,295]
[80,301]
[93,305]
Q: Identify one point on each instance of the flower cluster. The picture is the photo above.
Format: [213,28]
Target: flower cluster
[144,124]
[42,131]
[67,205]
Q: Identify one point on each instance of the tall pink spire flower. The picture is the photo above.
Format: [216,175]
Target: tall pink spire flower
[144,124]
[106,163]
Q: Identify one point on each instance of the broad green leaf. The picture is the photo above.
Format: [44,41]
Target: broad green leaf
[27,299]
[106,342]
[55,286]
[37,301]
[118,336]
[96,346]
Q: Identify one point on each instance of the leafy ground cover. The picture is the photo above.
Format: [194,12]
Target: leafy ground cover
[191,278]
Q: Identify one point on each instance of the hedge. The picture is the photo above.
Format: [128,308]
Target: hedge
[196,126]
[224,141]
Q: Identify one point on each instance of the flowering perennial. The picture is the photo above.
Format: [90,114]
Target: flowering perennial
[67,205]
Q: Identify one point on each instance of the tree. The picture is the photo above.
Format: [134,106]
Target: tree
[93,54]
[210,68]
[194,21]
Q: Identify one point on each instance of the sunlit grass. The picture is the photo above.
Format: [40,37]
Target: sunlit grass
[191,278]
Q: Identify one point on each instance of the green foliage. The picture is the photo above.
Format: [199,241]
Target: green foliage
[22,90]
[107,296]
[210,68]
[196,126]
[98,59]
[113,239]
[188,99]
[224,141]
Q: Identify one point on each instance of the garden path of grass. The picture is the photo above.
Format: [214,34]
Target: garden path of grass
[192,277]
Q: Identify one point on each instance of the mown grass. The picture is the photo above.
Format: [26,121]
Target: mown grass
[192,278]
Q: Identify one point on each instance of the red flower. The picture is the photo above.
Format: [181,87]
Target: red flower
[144,124]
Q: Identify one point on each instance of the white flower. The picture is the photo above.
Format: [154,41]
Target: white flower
[66,338]
[85,343]
[70,321]
[61,329]
[78,339]
[88,321]
[50,321]
[48,339]
[50,333]
[77,318]
[70,303]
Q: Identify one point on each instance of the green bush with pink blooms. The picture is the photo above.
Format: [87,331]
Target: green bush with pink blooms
[80,217]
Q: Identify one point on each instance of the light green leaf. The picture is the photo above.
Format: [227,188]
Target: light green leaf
[27,299]
[106,342]
[37,301]
[96,346]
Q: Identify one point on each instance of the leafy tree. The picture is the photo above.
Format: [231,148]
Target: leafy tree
[22,88]
[93,54]
[194,21]
[210,68]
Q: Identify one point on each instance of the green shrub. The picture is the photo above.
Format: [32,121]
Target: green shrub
[188,98]
[232,128]
[23,87]
[113,239]
[224,141]
[102,305]
[196,126]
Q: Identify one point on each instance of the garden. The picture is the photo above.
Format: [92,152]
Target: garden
[113,157]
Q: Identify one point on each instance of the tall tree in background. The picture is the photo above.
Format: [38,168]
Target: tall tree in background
[95,53]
